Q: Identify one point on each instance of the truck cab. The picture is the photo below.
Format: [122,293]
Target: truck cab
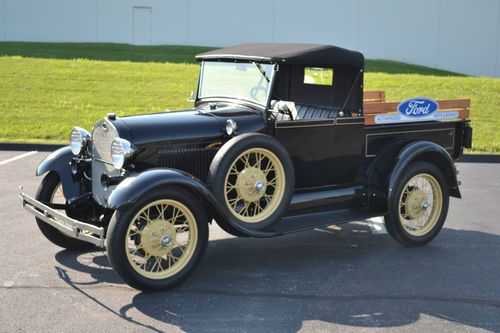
[281,138]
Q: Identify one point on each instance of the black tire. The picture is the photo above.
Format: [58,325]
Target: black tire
[49,185]
[223,161]
[393,221]
[117,236]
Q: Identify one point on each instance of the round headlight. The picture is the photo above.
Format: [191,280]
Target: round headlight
[77,139]
[231,127]
[121,149]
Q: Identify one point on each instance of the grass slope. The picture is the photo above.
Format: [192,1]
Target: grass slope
[45,89]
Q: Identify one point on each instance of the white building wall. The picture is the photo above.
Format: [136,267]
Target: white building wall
[50,20]
[399,31]
[457,35]
[3,12]
[468,36]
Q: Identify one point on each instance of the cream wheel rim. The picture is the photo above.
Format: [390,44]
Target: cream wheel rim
[420,204]
[161,239]
[254,185]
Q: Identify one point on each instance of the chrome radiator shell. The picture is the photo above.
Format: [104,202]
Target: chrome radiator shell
[103,134]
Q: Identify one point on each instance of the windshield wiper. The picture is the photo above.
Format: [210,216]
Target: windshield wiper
[262,71]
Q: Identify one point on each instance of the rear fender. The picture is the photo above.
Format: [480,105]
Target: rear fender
[59,161]
[428,152]
[134,187]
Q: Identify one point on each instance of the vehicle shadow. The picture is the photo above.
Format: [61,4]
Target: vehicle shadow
[344,277]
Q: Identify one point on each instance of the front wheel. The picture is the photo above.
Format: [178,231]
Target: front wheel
[50,192]
[252,176]
[158,241]
[419,205]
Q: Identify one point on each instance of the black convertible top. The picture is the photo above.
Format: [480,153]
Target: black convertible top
[308,54]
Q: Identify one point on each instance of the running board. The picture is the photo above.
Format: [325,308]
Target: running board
[326,197]
[291,224]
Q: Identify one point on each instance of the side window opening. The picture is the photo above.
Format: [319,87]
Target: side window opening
[318,76]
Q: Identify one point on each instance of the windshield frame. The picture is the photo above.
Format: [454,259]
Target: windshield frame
[240,100]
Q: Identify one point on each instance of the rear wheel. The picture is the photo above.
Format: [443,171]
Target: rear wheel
[50,191]
[419,206]
[157,242]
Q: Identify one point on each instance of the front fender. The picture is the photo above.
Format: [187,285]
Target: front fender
[134,187]
[425,151]
[59,161]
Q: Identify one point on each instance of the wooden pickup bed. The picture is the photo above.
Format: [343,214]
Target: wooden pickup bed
[375,104]
[374,96]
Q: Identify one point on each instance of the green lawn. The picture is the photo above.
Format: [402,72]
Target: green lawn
[45,89]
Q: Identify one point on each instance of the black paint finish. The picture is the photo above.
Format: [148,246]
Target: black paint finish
[137,185]
[60,161]
[171,139]
[344,169]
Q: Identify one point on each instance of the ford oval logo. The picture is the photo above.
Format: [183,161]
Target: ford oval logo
[418,107]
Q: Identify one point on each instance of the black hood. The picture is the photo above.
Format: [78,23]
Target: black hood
[188,126]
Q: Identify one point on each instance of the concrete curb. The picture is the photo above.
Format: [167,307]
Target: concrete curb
[29,146]
[475,158]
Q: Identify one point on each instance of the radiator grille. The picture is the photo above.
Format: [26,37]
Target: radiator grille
[102,136]
[195,161]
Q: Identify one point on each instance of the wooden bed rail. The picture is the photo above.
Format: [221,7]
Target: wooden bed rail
[374,96]
[372,109]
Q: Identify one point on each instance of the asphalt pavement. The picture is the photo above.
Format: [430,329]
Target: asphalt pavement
[352,277]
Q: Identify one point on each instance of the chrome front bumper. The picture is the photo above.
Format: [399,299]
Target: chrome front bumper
[68,226]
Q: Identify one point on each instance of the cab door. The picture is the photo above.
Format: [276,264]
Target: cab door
[325,152]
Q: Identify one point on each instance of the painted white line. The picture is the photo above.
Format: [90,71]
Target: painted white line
[18,157]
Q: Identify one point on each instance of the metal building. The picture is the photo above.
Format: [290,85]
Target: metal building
[457,35]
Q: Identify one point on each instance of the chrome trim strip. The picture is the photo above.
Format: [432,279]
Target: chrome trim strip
[318,122]
[310,123]
[430,130]
[351,121]
[66,225]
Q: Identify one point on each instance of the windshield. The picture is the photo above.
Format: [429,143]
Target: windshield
[249,81]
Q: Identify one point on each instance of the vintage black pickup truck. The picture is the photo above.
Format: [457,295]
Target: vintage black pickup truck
[281,139]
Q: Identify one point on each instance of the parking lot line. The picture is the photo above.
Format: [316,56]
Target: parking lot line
[18,157]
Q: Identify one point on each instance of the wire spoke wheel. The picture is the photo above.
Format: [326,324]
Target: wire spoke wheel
[254,185]
[161,239]
[420,204]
